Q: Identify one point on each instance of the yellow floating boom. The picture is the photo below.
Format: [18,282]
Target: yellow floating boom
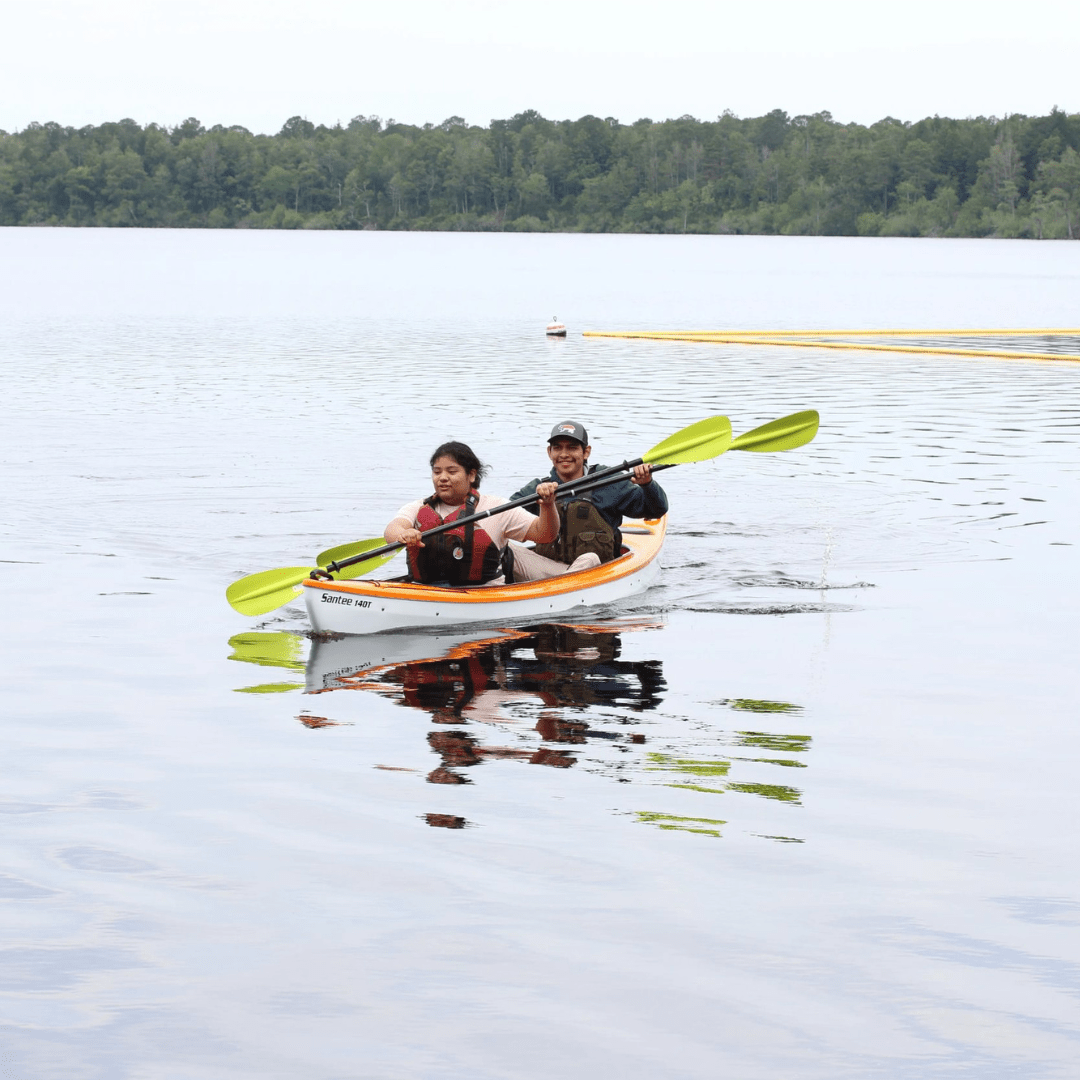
[823,339]
[1075,332]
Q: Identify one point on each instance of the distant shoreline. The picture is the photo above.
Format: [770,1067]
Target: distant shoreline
[1017,177]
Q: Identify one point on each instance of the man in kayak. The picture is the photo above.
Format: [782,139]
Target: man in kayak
[589,524]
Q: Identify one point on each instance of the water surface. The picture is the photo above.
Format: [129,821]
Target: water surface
[807,811]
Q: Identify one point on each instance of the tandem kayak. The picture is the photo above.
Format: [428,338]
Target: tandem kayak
[366,606]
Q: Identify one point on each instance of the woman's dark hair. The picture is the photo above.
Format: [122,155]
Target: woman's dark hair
[464,456]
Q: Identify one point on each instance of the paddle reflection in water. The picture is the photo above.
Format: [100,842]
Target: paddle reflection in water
[710,775]
[550,676]
[275,649]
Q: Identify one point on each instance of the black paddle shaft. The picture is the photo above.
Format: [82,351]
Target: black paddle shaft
[568,490]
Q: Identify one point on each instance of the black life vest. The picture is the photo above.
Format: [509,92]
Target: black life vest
[462,556]
[582,528]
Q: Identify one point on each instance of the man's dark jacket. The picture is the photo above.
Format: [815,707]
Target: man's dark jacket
[614,501]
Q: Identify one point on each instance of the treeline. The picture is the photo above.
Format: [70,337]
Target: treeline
[810,175]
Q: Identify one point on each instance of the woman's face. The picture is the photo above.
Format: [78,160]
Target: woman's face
[452,482]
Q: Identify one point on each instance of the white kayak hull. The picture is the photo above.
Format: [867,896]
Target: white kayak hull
[365,606]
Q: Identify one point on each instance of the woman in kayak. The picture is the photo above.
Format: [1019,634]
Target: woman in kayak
[471,554]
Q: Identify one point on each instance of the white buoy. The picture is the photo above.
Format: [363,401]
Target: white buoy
[556,328]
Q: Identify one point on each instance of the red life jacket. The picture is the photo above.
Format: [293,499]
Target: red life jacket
[463,556]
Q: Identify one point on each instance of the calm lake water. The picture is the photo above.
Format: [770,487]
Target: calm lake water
[810,811]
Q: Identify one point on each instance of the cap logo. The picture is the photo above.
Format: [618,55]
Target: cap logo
[567,427]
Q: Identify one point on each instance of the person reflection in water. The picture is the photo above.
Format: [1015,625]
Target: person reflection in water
[458,750]
[560,667]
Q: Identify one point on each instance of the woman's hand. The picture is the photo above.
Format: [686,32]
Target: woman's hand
[402,531]
[546,491]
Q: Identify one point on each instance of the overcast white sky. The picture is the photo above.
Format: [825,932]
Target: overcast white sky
[258,62]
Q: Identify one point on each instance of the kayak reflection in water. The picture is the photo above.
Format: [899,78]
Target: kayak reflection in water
[472,554]
[502,680]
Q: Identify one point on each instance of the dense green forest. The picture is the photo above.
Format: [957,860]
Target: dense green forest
[1016,177]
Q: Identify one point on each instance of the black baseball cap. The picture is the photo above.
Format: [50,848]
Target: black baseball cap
[569,429]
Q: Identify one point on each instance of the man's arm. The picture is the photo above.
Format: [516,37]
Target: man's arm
[642,497]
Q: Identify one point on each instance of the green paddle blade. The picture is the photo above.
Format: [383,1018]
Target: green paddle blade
[357,547]
[259,593]
[705,439]
[784,434]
